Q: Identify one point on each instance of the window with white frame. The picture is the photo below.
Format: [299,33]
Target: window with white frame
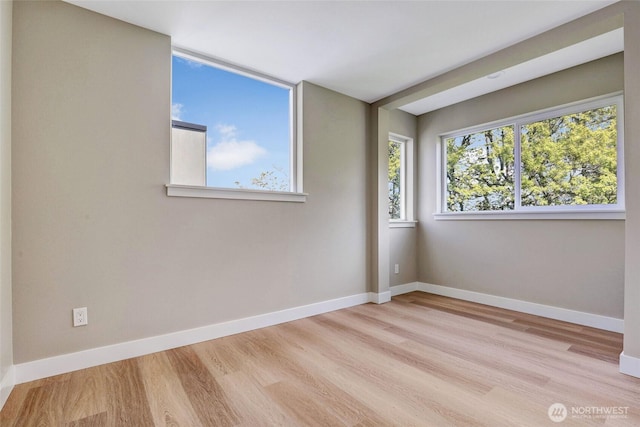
[236,127]
[400,178]
[564,159]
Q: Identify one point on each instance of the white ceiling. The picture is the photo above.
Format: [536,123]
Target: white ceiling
[365,49]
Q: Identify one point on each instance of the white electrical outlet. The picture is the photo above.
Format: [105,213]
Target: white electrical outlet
[80,316]
[397,268]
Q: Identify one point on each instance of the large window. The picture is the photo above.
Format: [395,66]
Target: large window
[237,128]
[565,159]
[400,179]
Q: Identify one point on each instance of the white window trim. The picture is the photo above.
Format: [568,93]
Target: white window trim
[407,180]
[295,159]
[400,223]
[509,215]
[608,212]
[234,194]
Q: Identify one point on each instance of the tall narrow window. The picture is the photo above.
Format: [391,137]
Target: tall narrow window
[400,150]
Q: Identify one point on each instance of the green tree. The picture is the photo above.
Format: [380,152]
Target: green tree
[394,180]
[275,179]
[480,171]
[570,160]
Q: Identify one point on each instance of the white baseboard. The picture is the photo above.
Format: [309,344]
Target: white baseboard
[630,365]
[578,317]
[6,385]
[403,289]
[43,368]
[380,298]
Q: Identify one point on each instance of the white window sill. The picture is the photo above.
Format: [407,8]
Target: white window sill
[398,223]
[492,216]
[234,194]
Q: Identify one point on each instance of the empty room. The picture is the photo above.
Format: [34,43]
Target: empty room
[323,213]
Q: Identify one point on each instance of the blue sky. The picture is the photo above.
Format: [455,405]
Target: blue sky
[247,121]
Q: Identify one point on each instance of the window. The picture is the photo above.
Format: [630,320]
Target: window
[480,170]
[233,133]
[567,159]
[400,180]
[396,179]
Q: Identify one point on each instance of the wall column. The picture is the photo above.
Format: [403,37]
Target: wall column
[630,358]
[379,206]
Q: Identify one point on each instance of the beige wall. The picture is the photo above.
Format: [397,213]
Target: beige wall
[93,226]
[6,347]
[403,251]
[402,241]
[572,264]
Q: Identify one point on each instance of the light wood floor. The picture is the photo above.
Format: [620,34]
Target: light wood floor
[419,360]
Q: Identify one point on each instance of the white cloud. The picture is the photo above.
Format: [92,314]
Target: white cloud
[230,153]
[176,111]
[190,63]
[227,132]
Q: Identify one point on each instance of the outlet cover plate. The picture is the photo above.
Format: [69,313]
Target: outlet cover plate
[80,316]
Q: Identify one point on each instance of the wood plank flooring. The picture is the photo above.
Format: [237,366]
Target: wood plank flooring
[420,360]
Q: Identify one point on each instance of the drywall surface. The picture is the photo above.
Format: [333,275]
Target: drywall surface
[402,251]
[572,264]
[93,226]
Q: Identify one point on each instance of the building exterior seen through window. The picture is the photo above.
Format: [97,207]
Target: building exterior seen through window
[188,153]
